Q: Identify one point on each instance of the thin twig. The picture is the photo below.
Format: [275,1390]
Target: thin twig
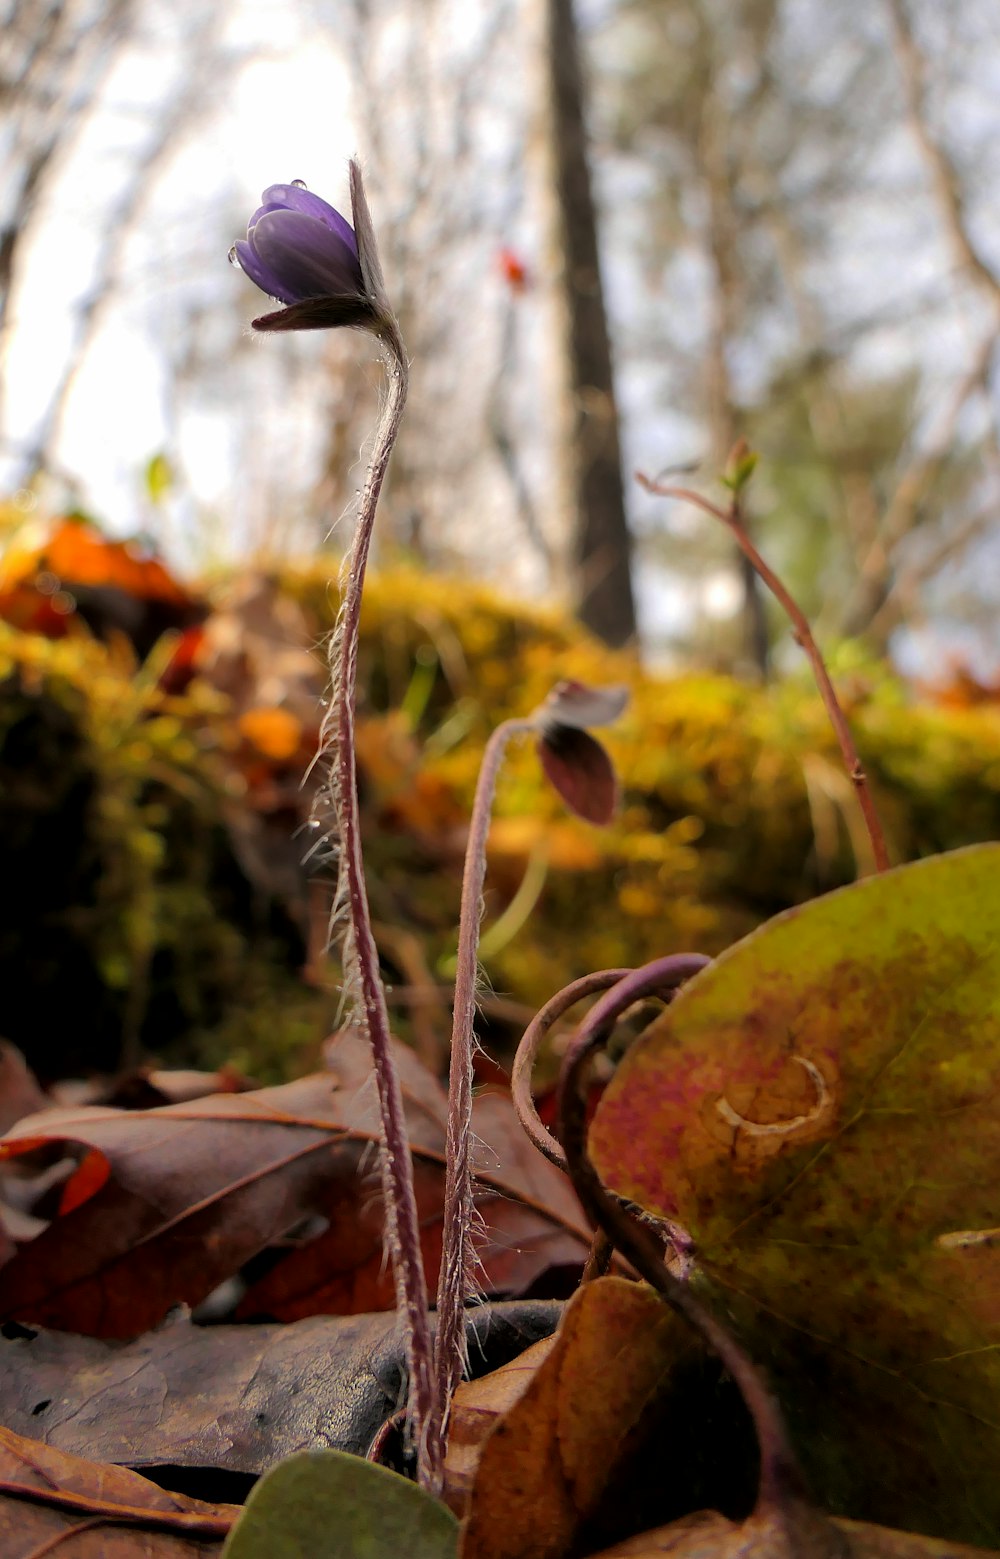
[943,173]
[803,635]
[599,1258]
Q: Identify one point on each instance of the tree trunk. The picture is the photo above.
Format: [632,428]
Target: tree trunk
[600,540]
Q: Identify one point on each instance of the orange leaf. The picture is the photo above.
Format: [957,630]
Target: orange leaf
[476,1409]
[276,733]
[565,1463]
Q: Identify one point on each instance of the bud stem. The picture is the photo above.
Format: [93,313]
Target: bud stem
[456,1279]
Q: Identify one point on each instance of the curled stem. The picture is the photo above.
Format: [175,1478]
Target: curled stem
[360,952]
[531,1043]
[780,1478]
[674,970]
[732,518]
[457,1276]
[601,1249]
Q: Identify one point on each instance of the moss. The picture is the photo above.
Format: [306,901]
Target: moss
[128,918]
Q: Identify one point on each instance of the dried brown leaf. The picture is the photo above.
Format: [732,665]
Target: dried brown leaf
[237,1398]
[476,1409]
[85,1510]
[571,1455]
[166,1203]
[532,1217]
[707,1535]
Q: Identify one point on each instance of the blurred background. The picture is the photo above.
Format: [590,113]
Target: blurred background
[620,235]
[791,201]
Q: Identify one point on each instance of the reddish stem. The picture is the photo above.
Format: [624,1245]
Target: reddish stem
[531,1043]
[803,634]
[457,1276]
[779,1475]
[361,953]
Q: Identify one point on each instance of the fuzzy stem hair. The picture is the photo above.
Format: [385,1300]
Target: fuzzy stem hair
[457,1279]
[362,977]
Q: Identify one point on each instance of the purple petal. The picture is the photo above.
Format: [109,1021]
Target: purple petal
[302,258]
[261,211]
[260,274]
[290,197]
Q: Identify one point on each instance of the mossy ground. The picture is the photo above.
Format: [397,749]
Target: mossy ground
[128,926]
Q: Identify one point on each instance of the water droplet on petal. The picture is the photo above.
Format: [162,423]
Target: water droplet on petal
[299,184]
[233,257]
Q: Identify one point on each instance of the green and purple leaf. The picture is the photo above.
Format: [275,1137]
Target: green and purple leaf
[819,1109]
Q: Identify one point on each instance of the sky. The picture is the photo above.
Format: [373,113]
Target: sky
[283,115]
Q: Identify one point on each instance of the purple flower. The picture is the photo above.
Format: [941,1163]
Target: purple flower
[301,251]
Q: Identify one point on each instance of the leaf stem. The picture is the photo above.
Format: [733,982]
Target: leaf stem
[360,952]
[780,1477]
[527,1054]
[457,1276]
[732,518]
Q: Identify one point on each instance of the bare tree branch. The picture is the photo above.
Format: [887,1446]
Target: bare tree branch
[943,174]
[204,71]
[912,492]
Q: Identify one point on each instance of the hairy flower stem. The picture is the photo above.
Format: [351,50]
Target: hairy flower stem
[457,1276]
[732,518]
[361,954]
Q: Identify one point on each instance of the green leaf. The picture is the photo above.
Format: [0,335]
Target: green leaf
[740,470]
[328,1505]
[159,478]
[820,1109]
